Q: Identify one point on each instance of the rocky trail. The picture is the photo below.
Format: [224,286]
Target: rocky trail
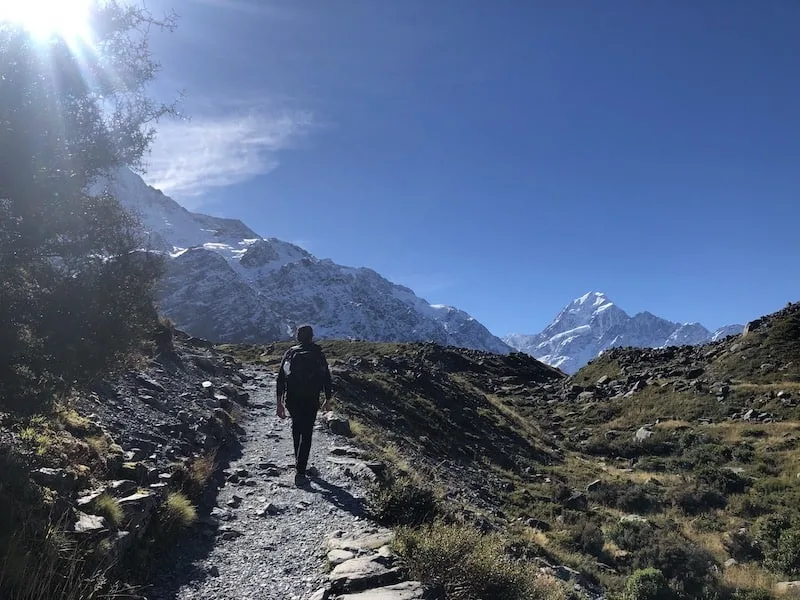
[266,539]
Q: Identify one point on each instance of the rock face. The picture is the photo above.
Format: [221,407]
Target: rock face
[226,283]
[592,323]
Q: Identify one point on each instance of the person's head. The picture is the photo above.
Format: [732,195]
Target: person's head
[305,334]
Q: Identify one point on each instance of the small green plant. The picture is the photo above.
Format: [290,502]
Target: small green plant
[177,512]
[108,507]
[402,501]
[647,584]
[785,556]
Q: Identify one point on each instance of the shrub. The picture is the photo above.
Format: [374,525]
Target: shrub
[686,566]
[724,481]
[697,499]
[767,530]
[752,595]
[632,535]
[586,537]
[743,452]
[647,584]
[462,564]
[402,501]
[785,556]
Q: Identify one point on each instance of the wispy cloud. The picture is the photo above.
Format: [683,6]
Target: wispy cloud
[191,157]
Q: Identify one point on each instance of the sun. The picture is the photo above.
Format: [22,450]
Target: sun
[45,18]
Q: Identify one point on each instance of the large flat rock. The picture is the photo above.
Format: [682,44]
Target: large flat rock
[360,541]
[363,573]
[408,590]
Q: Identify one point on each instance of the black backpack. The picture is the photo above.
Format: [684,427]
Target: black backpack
[305,377]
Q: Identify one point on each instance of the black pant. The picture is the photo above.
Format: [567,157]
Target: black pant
[303,412]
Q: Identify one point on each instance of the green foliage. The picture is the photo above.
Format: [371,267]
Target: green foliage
[108,507]
[177,512]
[784,556]
[586,537]
[462,564]
[752,595]
[628,497]
[647,584]
[402,501]
[697,498]
[724,481]
[76,293]
[687,567]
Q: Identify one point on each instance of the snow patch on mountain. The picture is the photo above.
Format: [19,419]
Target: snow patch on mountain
[592,323]
[226,283]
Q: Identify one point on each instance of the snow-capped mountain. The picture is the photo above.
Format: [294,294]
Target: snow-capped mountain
[592,323]
[226,283]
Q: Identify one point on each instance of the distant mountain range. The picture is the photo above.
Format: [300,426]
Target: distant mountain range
[226,283]
[592,323]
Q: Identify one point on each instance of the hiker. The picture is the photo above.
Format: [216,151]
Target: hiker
[302,376]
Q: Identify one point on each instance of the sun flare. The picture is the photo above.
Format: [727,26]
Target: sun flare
[44,18]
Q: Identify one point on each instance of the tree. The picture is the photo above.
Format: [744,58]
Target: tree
[76,288]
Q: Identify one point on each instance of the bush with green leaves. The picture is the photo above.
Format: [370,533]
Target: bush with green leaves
[586,537]
[697,498]
[647,584]
[784,556]
[402,501]
[77,292]
[724,481]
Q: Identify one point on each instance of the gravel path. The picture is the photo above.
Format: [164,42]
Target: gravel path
[264,539]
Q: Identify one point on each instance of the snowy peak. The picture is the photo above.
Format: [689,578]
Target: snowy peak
[226,283]
[592,323]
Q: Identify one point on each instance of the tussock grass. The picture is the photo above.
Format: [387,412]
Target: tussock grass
[462,564]
[108,507]
[201,470]
[177,512]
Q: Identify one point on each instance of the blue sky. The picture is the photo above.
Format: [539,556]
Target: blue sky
[503,157]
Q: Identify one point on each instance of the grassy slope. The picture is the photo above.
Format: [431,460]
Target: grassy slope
[495,435]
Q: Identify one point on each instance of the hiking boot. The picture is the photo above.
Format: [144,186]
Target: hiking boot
[300,480]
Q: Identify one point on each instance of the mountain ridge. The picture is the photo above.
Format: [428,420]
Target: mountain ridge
[225,282]
[592,323]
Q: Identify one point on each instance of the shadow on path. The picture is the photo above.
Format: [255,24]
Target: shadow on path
[338,496]
[176,566]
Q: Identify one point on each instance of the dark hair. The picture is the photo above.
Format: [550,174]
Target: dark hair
[305,334]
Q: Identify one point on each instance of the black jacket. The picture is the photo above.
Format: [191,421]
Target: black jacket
[327,385]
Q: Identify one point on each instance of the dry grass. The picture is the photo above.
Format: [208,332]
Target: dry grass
[108,507]
[178,512]
[72,421]
[788,386]
[101,444]
[749,577]
[673,425]
[202,469]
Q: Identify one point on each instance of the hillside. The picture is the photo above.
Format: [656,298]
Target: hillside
[683,458]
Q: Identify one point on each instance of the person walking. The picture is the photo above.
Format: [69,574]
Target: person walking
[303,374]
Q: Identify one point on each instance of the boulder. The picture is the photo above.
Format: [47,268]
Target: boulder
[642,434]
[55,479]
[360,541]
[407,590]
[338,424]
[363,573]
[89,524]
